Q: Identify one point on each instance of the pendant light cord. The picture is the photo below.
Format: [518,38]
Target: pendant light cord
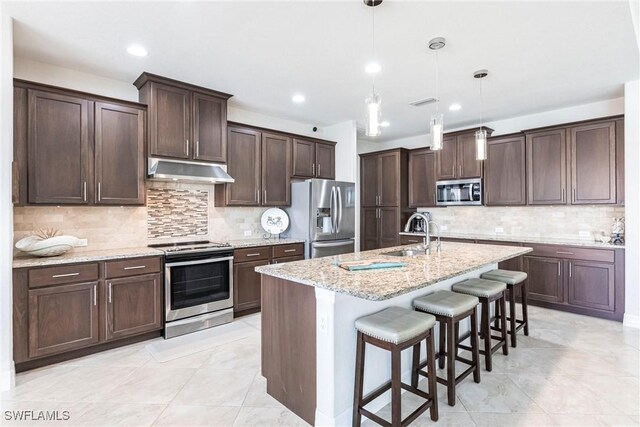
[373,42]
[481,105]
[437,83]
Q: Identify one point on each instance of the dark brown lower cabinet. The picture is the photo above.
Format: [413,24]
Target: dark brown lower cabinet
[545,278]
[134,305]
[591,285]
[63,318]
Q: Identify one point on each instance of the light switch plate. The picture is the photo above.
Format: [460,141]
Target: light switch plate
[583,233]
[82,243]
[444,227]
[499,230]
[247,233]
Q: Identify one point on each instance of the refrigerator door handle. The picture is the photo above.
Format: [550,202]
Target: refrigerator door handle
[339,200]
[332,209]
[332,244]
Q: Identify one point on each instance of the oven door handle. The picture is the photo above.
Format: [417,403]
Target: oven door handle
[200,261]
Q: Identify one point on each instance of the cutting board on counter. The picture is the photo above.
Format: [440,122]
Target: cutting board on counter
[370,264]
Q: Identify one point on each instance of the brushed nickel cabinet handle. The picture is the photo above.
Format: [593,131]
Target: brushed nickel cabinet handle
[564,252]
[109,292]
[256,254]
[186,144]
[318,169]
[95,295]
[55,276]
[558,269]
[459,171]
[570,265]
[574,195]
[313,169]
[137,267]
[255,197]
[564,192]
[264,197]
[290,250]
[197,148]
[99,190]
[84,190]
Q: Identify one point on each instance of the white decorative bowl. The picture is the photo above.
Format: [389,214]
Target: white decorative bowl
[46,247]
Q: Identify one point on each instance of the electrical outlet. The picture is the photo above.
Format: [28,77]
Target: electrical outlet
[499,230]
[444,228]
[583,233]
[82,242]
[247,233]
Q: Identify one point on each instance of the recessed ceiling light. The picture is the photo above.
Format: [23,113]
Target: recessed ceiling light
[372,68]
[298,98]
[137,50]
[385,124]
[455,107]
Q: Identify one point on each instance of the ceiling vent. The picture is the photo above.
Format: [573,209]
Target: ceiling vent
[424,101]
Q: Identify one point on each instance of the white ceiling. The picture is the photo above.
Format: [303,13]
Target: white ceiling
[540,55]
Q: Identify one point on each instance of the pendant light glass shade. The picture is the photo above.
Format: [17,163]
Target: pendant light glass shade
[481,144]
[373,114]
[436,129]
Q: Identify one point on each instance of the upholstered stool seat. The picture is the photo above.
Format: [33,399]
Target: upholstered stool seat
[515,280]
[487,291]
[449,308]
[395,329]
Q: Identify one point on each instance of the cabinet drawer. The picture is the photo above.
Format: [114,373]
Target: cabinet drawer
[409,240]
[288,259]
[39,277]
[281,251]
[131,267]
[251,254]
[566,252]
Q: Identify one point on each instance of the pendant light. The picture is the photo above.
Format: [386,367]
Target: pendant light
[481,134]
[436,128]
[373,100]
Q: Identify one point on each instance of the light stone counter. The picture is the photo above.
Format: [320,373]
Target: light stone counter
[454,260]
[530,239]
[250,243]
[88,256]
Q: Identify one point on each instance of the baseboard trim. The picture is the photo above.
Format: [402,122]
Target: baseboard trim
[8,378]
[631,321]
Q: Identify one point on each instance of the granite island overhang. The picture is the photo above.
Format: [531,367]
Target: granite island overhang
[308,312]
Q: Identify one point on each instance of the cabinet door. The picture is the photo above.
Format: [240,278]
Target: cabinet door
[243,164]
[422,178]
[304,158]
[276,167]
[369,227]
[389,233]
[246,285]
[134,305]
[547,167]
[446,162]
[209,128]
[369,180]
[468,165]
[169,120]
[505,173]
[62,318]
[544,278]
[592,285]
[119,155]
[325,160]
[389,179]
[58,148]
[593,163]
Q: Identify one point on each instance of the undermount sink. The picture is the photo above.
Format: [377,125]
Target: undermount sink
[406,252]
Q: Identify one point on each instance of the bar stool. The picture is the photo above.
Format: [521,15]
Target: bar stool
[513,279]
[487,292]
[450,308]
[395,329]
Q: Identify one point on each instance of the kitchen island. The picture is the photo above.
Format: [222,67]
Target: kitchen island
[308,313]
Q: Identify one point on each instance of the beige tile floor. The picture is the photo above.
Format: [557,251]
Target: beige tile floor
[572,370]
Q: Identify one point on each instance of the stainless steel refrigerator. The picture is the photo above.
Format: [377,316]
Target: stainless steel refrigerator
[323,213]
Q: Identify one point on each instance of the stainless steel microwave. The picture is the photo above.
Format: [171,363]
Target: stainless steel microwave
[459,192]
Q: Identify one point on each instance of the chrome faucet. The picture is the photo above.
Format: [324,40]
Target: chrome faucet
[427,231]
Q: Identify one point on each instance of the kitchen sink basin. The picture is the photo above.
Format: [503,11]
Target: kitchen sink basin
[405,252]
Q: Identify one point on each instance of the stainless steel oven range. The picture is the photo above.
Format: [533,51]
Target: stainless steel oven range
[198,286]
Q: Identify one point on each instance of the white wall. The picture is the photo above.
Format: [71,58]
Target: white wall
[7,373]
[515,124]
[632,203]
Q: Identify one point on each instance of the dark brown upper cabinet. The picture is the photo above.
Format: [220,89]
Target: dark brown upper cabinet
[312,159]
[505,171]
[186,122]
[457,159]
[276,164]
[547,167]
[592,150]
[422,178]
[119,154]
[58,148]
[74,148]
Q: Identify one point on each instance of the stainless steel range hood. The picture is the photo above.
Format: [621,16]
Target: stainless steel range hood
[183,171]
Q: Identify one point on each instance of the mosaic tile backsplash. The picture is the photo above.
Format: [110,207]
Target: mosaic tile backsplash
[177,213]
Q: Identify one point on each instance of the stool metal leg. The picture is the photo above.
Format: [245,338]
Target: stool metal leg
[512,316]
[396,388]
[432,380]
[501,306]
[441,347]
[359,383]
[475,353]
[525,311]
[451,362]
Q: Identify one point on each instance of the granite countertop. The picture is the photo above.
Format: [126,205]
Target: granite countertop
[250,243]
[88,256]
[529,239]
[421,271]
